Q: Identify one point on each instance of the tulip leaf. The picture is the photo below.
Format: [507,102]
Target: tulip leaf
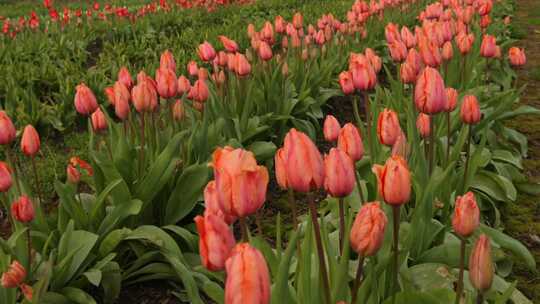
[77,295]
[509,243]
[280,290]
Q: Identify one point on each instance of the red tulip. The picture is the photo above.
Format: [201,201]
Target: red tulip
[27,291]
[470,110]
[298,21]
[265,52]
[77,162]
[166,83]
[430,95]
[279,24]
[199,91]
[339,171]
[346,82]
[212,206]
[394,180]
[488,47]
[388,128]
[14,275]
[451,99]
[183,85]
[22,209]
[304,163]
[125,77]
[350,142]
[331,128]
[85,101]
[423,124]
[73,175]
[367,231]
[5,177]
[215,241]
[109,92]
[206,52]
[363,74]
[481,269]
[240,182]
[484,7]
[466,215]
[248,279]
[517,56]
[144,97]
[30,142]
[99,122]
[192,68]
[485,21]
[167,61]
[229,44]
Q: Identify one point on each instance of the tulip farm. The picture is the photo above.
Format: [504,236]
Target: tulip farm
[270,151]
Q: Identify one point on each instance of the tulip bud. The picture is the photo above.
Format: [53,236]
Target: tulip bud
[470,110]
[5,177]
[109,92]
[363,74]
[183,85]
[430,95]
[398,50]
[99,122]
[464,42]
[466,215]
[144,97]
[304,163]
[517,56]
[350,142]
[248,279]
[215,241]
[212,206]
[331,128]
[178,110]
[447,51]
[394,180]
[367,231]
[30,141]
[451,99]
[250,30]
[265,52]
[375,60]
[22,209]
[125,77]
[423,124]
[481,270]
[199,91]
[121,107]
[85,101]
[27,291]
[388,128]
[167,61]
[298,20]
[408,37]
[229,44]
[241,184]
[206,52]
[192,68]
[339,171]
[242,67]
[280,160]
[488,46]
[166,83]
[73,175]
[346,82]
[14,276]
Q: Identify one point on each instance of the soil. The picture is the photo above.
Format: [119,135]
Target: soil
[522,218]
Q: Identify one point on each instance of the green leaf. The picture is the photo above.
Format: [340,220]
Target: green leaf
[280,289]
[77,295]
[94,276]
[511,244]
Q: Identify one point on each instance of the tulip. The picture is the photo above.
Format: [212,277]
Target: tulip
[394,181]
[331,128]
[109,92]
[242,66]
[485,21]
[120,91]
[206,52]
[280,160]
[199,91]
[464,42]
[367,231]
[447,51]
[73,175]
[466,215]
[23,210]
[166,83]
[183,85]
[144,97]
[125,77]
[298,21]
[415,61]
[339,173]
[470,110]
[350,142]
[241,184]
[212,205]
[248,278]
[77,162]
[27,291]
[279,24]
[423,124]
[215,241]
[6,180]
[265,52]
[408,37]
[481,271]
[30,141]
[430,54]
[250,30]
[388,128]
[451,99]
[14,276]
[484,7]
[398,51]
[430,95]
[363,74]
[488,47]
[346,82]
[375,60]
[229,44]
[192,68]
[85,101]
[400,147]
[517,56]
[408,73]
[178,110]
[99,122]
[167,61]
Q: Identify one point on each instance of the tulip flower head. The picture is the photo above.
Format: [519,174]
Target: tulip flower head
[6,181]
[30,142]
[346,82]
[481,269]
[363,74]
[23,210]
[517,56]
[394,180]
[178,110]
[215,241]
[488,48]
[331,128]
[470,110]
[367,232]
[167,61]
[183,85]
[466,216]
[192,68]
[14,275]
[451,99]
[423,124]
[99,122]
[212,205]
[85,100]
[166,83]
[430,94]
[206,52]
[339,171]
[388,128]
[350,142]
[229,44]
[125,77]
[144,97]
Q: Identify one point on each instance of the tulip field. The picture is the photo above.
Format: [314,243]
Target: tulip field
[268,151]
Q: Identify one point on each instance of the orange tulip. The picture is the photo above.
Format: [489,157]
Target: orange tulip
[304,163]
[22,209]
[248,279]
[99,122]
[400,147]
[447,51]
[408,73]
[517,56]
[30,142]
[240,182]
[216,241]
[183,85]
[350,142]
[14,276]
[120,91]
[267,33]
[398,50]
[394,180]
[415,60]
[279,24]
[481,270]
[85,101]
[206,52]
[73,175]
[125,77]
[144,97]
[346,82]
[229,44]
[388,128]
[298,21]
[5,177]
[212,206]
[391,33]
[423,124]
[485,21]
[192,68]
[367,231]
[265,52]
[178,110]
[363,74]
[280,160]
[451,99]
[466,215]
[484,7]
[109,92]
[167,61]
[488,47]
[339,171]
[242,67]
[408,37]
[199,91]
[470,110]
[430,53]
[331,128]
[376,61]
[430,95]
[166,83]
[464,42]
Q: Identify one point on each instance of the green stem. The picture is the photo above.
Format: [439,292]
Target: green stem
[368,125]
[396,213]
[292,203]
[480,298]
[29,245]
[358,279]
[356,112]
[461,271]
[360,191]
[36,177]
[448,123]
[341,225]
[468,156]
[431,143]
[320,249]
[141,153]
[244,229]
